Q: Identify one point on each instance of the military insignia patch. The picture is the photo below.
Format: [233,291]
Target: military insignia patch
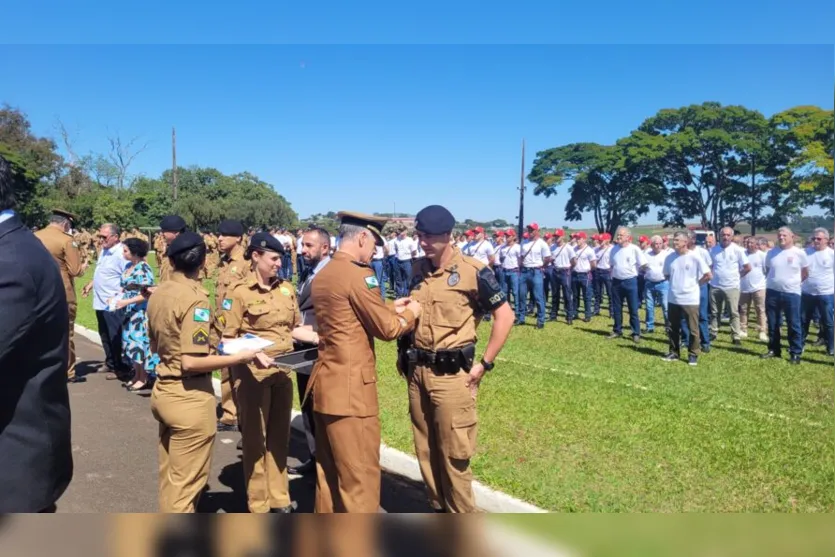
[233,269]
[75,245]
[200,337]
[285,291]
[227,304]
[222,320]
[201,315]
[454,278]
[371,282]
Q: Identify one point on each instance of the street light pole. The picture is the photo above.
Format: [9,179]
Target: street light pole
[522,195]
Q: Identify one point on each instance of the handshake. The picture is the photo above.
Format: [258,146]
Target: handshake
[402,304]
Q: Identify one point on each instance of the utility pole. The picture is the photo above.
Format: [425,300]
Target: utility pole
[174,159]
[522,195]
[753,197]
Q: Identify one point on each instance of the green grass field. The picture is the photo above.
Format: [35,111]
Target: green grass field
[570,421]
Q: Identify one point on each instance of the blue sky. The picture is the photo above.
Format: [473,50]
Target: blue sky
[370,127]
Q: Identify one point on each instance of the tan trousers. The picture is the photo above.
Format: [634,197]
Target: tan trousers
[691,313]
[445,426]
[228,402]
[758,300]
[185,410]
[347,464]
[73,307]
[264,414]
[719,298]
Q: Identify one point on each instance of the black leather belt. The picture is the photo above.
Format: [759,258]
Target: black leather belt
[184,377]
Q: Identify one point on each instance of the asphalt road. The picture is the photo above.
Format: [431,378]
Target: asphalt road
[115,455]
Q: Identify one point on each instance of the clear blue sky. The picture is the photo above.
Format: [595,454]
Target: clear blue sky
[368,127]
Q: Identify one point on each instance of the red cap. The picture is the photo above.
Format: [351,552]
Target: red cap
[574,234]
[605,236]
[469,233]
[499,233]
[525,235]
[582,235]
[533,226]
[595,236]
[548,235]
[559,232]
[510,232]
[479,230]
[643,239]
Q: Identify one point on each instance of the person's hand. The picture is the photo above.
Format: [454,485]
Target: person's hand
[120,304]
[263,361]
[246,356]
[414,307]
[147,291]
[400,304]
[473,379]
[86,290]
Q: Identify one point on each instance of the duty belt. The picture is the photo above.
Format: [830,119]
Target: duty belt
[447,362]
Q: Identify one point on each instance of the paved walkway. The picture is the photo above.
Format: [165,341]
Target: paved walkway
[115,454]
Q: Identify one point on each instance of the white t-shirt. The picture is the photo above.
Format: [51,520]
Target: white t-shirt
[510,261]
[704,254]
[418,250]
[626,261]
[403,247]
[684,273]
[783,269]
[562,256]
[754,281]
[535,252]
[585,256]
[378,253]
[604,257]
[727,266]
[391,247]
[821,279]
[655,265]
[299,245]
[482,250]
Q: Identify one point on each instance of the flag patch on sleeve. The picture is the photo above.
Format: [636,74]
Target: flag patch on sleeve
[227,304]
[371,282]
[201,315]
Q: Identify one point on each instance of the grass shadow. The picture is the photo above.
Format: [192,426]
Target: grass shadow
[647,350]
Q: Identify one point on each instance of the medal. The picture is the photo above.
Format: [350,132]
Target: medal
[453,279]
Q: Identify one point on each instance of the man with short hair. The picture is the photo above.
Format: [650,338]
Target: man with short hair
[406,250]
[509,261]
[730,265]
[704,297]
[564,258]
[656,285]
[786,268]
[584,264]
[752,290]
[627,260]
[685,272]
[603,273]
[818,290]
[535,255]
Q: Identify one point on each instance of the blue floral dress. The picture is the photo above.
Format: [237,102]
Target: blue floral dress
[136,344]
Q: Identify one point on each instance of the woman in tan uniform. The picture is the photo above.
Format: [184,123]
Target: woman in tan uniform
[183,400]
[264,305]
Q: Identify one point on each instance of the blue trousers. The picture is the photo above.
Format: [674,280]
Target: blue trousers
[404,273]
[582,289]
[301,265]
[656,293]
[823,308]
[532,280]
[704,333]
[602,283]
[626,289]
[377,265]
[561,285]
[510,285]
[391,270]
[778,304]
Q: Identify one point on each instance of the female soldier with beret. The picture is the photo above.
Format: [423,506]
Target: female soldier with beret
[265,305]
[183,400]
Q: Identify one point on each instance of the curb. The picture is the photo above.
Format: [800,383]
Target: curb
[394,461]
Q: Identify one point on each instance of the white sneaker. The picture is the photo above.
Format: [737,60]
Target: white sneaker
[763,337]
[743,334]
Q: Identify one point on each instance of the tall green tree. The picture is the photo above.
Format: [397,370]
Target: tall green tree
[617,184]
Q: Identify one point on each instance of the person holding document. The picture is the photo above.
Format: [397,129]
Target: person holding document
[265,305]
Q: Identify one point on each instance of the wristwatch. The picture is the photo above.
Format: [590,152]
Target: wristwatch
[488,366]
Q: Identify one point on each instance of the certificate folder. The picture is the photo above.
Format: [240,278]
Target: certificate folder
[301,360]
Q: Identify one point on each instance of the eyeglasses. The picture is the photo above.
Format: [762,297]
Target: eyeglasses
[822,239]
[103,236]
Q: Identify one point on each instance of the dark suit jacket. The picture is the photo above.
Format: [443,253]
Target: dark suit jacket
[35,449]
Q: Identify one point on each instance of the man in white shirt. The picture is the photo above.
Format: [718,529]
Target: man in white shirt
[603,273]
[509,262]
[656,285]
[786,268]
[563,258]
[581,277]
[685,272]
[498,245]
[627,259]
[730,264]
[377,264]
[818,291]
[752,289]
[482,249]
[704,297]
[391,261]
[535,255]
[299,257]
[405,250]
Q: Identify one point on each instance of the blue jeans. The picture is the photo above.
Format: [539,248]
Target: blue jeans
[656,293]
[704,333]
[377,265]
[404,273]
[582,288]
[531,279]
[391,271]
[779,303]
[822,307]
[499,272]
[602,283]
[561,284]
[510,285]
[625,289]
[300,265]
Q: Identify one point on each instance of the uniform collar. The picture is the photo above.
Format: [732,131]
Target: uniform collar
[453,263]
[237,254]
[178,276]
[252,283]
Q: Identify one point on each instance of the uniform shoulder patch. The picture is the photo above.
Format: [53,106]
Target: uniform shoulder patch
[201,315]
[200,337]
[371,282]
[227,304]
[284,290]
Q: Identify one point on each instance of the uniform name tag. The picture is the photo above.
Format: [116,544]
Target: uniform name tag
[227,304]
[371,282]
[201,315]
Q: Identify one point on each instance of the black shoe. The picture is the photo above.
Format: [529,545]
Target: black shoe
[303,469]
[636,338]
[819,342]
[712,336]
[285,510]
[569,321]
[540,325]
[692,360]
[76,379]
[737,342]
[649,331]
[830,353]
[794,359]
[240,445]
[587,320]
[226,427]
[615,335]
[768,355]
[671,357]
[706,348]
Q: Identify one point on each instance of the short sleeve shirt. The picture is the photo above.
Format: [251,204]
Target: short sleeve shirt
[783,269]
[727,266]
[754,280]
[562,256]
[510,261]
[821,279]
[684,272]
[483,251]
[585,257]
[655,265]
[626,261]
[535,252]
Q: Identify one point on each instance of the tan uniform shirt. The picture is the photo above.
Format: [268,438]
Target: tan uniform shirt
[165,270]
[65,251]
[232,268]
[268,312]
[178,323]
[350,313]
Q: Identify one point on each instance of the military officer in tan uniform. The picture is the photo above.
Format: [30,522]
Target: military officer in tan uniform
[232,268]
[350,314]
[211,255]
[183,400]
[456,291]
[57,239]
[265,305]
[170,227]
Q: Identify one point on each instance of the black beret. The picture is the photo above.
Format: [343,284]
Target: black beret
[184,242]
[230,228]
[266,242]
[172,223]
[434,220]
